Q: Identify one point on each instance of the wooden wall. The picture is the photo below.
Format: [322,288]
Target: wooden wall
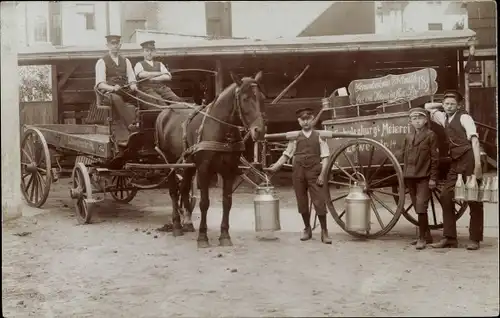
[36,113]
[484,110]
[76,80]
[327,72]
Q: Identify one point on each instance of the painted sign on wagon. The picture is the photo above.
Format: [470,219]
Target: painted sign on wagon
[390,131]
[392,87]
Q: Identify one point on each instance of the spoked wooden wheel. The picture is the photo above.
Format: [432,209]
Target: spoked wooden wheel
[81,192]
[370,160]
[36,174]
[124,191]
[435,209]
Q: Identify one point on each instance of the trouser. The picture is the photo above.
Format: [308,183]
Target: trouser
[304,181]
[123,106]
[465,166]
[420,195]
[158,93]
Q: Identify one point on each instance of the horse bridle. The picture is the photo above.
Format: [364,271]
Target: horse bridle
[255,89]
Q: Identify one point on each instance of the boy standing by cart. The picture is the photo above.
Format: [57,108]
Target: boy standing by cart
[158,74]
[310,153]
[420,170]
[465,159]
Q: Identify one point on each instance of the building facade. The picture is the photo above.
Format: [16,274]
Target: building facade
[83,23]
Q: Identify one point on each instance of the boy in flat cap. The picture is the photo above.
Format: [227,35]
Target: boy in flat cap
[158,74]
[420,170]
[310,153]
[113,71]
[465,159]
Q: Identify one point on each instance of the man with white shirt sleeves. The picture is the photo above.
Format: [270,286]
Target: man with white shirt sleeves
[464,151]
[310,155]
[112,72]
[158,74]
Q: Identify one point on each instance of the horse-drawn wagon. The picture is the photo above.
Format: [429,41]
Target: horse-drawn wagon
[344,59]
[377,110]
[104,162]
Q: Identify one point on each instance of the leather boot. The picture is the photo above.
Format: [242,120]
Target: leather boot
[446,242]
[473,245]
[306,234]
[428,239]
[325,238]
[420,244]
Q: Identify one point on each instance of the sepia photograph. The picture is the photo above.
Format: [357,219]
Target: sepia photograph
[249,159]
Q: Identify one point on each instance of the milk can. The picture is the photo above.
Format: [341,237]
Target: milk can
[267,211]
[357,207]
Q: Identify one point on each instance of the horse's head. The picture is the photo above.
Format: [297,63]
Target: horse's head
[250,102]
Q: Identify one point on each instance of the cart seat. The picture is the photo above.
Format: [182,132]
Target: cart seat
[133,141]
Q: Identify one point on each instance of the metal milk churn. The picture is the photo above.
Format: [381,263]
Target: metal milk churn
[357,207]
[267,210]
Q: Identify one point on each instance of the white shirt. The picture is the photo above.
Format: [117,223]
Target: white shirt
[466,120]
[100,71]
[138,67]
[292,146]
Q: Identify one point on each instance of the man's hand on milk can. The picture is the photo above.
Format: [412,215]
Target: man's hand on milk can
[272,168]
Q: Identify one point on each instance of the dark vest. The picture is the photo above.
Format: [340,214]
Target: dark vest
[115,74]
[307,151]
[148,68]
[457,137]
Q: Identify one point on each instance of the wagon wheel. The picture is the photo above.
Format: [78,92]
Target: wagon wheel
[123,195]
[81,192]
[435,208]
[370,159]
[36,174]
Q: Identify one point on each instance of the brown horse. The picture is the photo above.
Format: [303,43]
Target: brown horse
[211,139]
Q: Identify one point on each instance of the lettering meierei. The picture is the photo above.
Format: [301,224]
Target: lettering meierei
[392,87]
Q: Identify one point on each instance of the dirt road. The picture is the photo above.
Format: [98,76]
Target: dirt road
[121,267]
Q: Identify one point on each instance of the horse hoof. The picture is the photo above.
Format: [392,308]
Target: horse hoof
[203,244]
[165,228]
[225,242]
[188,227]
[177,232]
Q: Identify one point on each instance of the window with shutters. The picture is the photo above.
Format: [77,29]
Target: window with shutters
[41,29]
[88,13]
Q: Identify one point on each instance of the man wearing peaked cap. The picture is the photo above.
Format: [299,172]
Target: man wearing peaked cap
[304,112]
[420,155]
[113,72]
[454,94]
[153,75]
[465,153]
[310,153]
[418,111]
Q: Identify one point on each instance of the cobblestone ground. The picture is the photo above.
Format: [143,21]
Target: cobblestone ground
[119,266]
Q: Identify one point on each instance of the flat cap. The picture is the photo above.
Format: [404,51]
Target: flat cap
[112,37]
[304,111]
[453,93]
[148,44]
[418,111]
